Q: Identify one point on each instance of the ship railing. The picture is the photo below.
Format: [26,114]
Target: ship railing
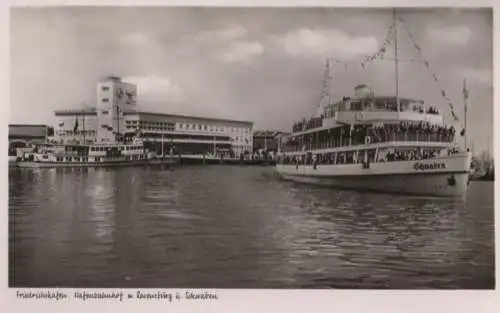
[394,137]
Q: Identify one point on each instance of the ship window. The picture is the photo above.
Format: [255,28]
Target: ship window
[380,104]
[356,106]
[105,100]
[105,88]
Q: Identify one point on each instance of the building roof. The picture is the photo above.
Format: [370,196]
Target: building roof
[74,112]
[93,111]
[268,133]
[27,131]
[216,119]
[28,125]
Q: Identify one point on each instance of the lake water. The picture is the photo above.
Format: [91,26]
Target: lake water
[239,227]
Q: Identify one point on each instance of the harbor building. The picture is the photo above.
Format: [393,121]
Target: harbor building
[22,135]
[267,140]
[117,117]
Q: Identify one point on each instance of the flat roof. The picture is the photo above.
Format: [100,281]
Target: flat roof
[73,112]
[269,133]
[216,119]
[28,125]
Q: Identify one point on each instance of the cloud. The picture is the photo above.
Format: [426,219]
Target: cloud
[135,39]
[222,35]
[230,45]
[458,35]
[156,88]
[481,76]
[327,42]
[241,51]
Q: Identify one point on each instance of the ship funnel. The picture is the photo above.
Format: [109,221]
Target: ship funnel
[362,91]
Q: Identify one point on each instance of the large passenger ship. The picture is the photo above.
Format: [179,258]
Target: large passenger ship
[380,143]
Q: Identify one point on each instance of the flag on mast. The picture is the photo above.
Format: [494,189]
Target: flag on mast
[466,97]
[465,91]
[75,128]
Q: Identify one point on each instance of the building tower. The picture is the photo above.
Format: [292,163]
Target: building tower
[114,97]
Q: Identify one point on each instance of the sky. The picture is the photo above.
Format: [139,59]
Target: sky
[260,64]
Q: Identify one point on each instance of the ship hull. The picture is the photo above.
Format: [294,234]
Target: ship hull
[442,177]
[28,164]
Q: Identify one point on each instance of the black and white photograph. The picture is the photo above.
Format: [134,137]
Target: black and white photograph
[289,148]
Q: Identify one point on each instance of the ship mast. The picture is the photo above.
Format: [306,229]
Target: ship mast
[326,95]
[84,116]
[465,113]
[396,57]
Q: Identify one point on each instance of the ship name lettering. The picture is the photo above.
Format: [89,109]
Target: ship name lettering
[429,166]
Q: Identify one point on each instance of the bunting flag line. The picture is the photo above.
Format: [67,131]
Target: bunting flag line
[381,51]
[434,76]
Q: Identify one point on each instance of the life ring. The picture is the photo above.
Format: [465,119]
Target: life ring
[368,140]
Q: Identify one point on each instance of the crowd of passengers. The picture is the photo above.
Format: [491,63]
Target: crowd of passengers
[314,122]
[348,158]
[364,134]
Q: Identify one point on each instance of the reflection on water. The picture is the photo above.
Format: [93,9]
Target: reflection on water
[238,227]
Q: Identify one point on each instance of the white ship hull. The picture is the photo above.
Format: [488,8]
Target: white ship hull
[31,164]
[442,177]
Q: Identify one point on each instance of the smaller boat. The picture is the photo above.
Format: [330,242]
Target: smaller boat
[92,155]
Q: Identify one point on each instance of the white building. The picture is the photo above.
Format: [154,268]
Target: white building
[117,116]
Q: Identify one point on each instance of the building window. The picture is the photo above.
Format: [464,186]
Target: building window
[105,100]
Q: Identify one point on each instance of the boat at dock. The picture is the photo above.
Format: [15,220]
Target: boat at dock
[92,155]
[377,143]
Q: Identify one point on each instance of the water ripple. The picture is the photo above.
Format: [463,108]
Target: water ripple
[238,227]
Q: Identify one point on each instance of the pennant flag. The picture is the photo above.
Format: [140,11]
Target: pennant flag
[443,93]
[435,77]
[75,128]
[426,64]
